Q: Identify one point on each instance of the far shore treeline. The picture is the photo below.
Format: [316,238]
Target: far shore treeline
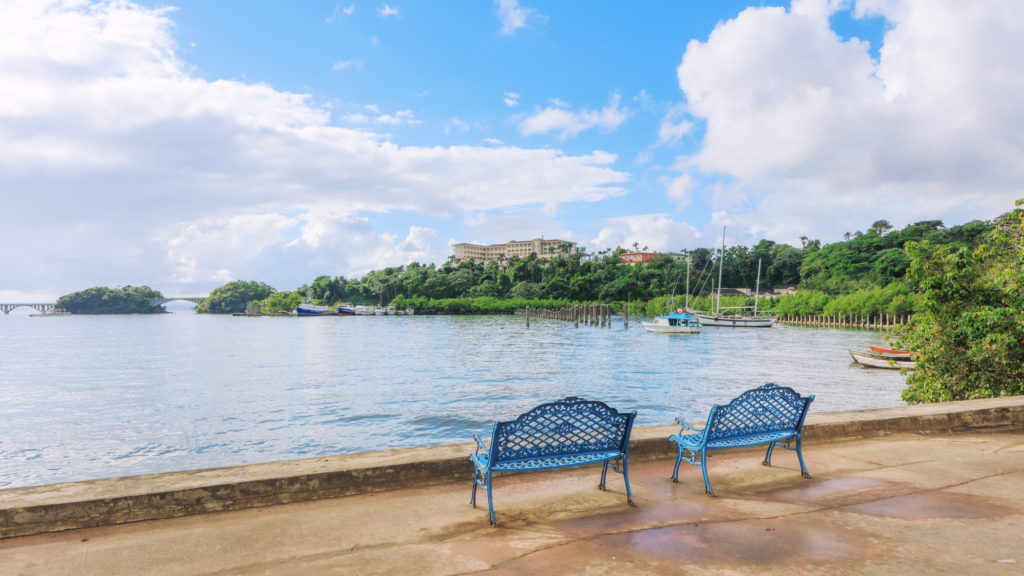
[863,274]
[962,286]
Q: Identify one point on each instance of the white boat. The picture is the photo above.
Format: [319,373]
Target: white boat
[716,318]
[364,311]
[380,311]
[679,322]
[876,360]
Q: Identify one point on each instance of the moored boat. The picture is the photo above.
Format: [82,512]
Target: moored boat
[364,310]
[307,308]
[346,310]
[876,360]
[678,322]
[890,351]
[716,318]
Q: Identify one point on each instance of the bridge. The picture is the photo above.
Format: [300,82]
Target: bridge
[44,307]
[162,301]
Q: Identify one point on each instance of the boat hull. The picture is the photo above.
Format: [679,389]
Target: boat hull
[875,360]
[736,322]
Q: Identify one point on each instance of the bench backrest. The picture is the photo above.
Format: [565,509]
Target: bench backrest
[768,408]
[570,426]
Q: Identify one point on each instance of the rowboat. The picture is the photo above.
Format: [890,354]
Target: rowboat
[890,351]
[876,360]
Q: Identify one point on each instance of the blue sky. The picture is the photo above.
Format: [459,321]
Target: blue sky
[185,144]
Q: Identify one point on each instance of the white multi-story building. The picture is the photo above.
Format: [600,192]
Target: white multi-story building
[495,252]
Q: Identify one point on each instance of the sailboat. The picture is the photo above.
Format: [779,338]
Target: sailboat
[739,321]
[680,320]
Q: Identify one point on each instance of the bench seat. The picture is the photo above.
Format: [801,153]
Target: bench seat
[693,440]
[532,464]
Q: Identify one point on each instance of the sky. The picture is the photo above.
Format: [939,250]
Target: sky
[185,144]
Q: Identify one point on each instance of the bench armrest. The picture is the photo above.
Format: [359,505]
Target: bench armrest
[480,445]
[684,426]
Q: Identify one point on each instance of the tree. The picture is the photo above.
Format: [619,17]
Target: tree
[102,300]
[234,297]
[880,227]
[969,339]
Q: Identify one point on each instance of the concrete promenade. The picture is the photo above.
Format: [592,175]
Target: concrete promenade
[913,490]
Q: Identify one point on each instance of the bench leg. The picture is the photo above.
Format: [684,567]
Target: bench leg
[472,497]
[490,500]
[768,454]
[625,476]
[675,471]
[604,474]
[704,469]
[800,456]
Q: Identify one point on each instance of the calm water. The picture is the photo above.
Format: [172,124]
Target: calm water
[97,396]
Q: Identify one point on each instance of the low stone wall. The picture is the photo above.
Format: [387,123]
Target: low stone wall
[56,507]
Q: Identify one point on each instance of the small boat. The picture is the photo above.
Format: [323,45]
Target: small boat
[364,311]
[307,308]
[678,322]
[380,311]
[890,351]
[346,310]
[876,360]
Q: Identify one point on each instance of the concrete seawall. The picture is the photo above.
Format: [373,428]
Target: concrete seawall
[56,507]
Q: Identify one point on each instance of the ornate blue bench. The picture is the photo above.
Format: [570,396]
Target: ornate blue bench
[570,432]
[764,415]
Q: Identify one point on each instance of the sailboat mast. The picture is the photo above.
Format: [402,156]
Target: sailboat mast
[757,287]
[721,264]
[688,283]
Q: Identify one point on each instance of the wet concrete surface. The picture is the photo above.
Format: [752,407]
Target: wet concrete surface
[902,504]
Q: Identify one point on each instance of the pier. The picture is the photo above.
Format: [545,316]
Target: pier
[865,321]
[589,315]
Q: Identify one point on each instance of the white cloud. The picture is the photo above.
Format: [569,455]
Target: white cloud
[399,118]
[339,13]
[456,124]
[659,232]
[674,125]
[384,11]
[799,116]
[567,124]
[346,64]
[513,16]
[151,175]
[511,99]
[679,189]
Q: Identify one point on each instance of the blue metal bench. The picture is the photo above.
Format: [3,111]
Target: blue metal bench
[570,432]
[763,415]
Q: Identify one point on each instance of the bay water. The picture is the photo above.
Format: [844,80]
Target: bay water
[85,397]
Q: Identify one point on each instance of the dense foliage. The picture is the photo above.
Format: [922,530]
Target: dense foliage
[102,300]
[234,296]
[969,337]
